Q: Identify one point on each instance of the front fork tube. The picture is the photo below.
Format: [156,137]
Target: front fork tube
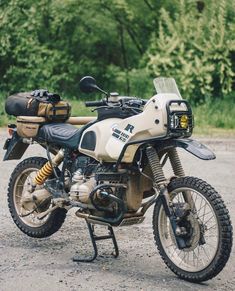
[179,172]
[160,181]
[164,196]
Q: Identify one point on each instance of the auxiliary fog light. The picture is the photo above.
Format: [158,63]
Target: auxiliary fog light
[184,121]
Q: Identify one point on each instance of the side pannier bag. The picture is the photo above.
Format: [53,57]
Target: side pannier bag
[28,126]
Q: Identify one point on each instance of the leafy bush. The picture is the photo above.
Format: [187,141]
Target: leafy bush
[196,49]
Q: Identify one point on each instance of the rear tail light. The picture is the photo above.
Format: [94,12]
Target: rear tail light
[10,129]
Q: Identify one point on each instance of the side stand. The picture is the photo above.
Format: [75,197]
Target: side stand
[94,238]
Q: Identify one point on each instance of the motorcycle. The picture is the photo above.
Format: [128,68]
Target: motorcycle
[111,170]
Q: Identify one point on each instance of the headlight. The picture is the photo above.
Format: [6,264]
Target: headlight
[184,121]
[180,118]
[179,121]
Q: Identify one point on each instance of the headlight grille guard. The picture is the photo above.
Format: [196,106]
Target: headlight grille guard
[178,131]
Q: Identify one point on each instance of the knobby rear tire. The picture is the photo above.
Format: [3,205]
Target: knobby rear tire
[56,217]
[224,225]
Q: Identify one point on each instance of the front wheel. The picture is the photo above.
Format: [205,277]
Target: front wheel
[208,231]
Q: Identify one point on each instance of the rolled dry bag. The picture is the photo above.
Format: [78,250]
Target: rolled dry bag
[21,104]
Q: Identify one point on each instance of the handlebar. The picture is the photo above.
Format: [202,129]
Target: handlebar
[132,102]
[95,103]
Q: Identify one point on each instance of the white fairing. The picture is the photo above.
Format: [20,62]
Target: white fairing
[113,133]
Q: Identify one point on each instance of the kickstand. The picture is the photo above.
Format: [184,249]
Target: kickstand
[94,238]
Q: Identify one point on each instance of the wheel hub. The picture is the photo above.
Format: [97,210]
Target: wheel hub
[188,226]
[39,200]
[193,232]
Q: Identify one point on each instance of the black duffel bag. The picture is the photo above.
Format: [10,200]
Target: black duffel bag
[21,104]
[38,103]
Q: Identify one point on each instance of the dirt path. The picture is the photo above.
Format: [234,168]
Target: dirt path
[45,264]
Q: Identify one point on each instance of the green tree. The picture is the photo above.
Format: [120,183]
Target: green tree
[195,48]
[122,43]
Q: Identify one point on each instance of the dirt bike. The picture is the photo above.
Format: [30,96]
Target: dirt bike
[111,170]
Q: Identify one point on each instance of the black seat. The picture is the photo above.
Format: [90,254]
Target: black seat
[62,134]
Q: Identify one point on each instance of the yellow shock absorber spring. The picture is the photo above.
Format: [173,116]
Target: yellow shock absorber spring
[43,174]
[47,169]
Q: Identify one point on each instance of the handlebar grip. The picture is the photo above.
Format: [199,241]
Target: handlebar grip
[95,103]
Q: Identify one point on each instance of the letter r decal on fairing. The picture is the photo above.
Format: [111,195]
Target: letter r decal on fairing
[129,128]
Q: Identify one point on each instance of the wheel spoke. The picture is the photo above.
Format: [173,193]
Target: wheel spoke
[171,245]
[18,196]
[201,206]
[195,201]
[182,260]
[205,252]
[209,219]
[211,227]
[199,216]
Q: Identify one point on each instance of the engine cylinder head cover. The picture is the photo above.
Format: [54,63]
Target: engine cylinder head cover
[81,192]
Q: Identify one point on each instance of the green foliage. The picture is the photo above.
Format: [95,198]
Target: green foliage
[195,48]
[215,114]
[122,43]
[53,44]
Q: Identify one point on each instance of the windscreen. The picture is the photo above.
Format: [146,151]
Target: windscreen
[166,85]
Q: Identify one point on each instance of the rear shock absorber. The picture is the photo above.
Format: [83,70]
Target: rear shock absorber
[47,169]
[155,165]
[175,162]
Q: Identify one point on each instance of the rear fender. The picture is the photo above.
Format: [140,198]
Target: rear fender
[15,147]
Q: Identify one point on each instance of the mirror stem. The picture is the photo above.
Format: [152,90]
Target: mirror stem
[102,91]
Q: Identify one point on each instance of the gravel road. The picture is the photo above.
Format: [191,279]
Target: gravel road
[45,264]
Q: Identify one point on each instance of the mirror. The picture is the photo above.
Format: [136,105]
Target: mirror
[88,84]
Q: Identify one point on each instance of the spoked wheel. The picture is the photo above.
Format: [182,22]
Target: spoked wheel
[25,217]
[207,231]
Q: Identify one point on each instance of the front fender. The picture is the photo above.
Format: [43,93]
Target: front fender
[192,146]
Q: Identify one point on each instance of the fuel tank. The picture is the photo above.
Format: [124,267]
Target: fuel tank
[105,139]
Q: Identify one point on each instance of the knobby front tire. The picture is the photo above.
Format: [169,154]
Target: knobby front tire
[200,262]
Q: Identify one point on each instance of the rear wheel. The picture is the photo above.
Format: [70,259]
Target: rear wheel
[208,227]
[30,224]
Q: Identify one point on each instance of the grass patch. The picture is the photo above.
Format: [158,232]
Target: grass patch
[215,117]
[218,114]
[79,108]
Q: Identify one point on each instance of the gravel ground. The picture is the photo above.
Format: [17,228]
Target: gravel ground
[38,264]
